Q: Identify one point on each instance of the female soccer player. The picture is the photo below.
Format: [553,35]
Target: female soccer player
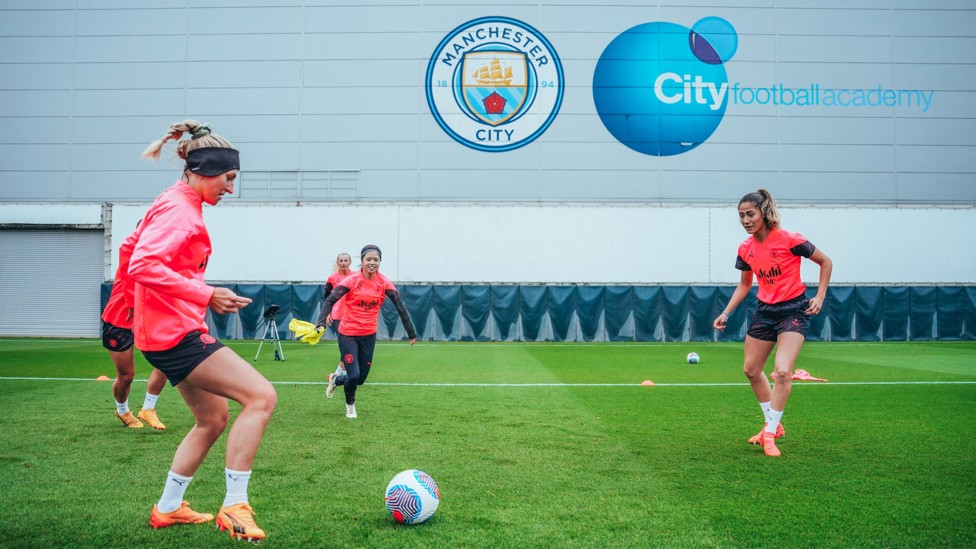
[171,300]
[783,314]
[117,338]
[340,271]
[364,293]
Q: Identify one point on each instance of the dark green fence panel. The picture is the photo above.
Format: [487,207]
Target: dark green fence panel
[969,332]
[675,314]
[562,312]
[419,302]
[306,302]
[951,306]
[613,313]
[505,312]
[447,308]
[648,308]
[922,302]
[533,307]
[618,312]
[250,317]
[475,313]
[705,303]
[895,305]
[868,313]
[589,311]
[840,316]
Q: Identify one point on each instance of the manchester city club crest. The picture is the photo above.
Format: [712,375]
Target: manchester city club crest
[494,84]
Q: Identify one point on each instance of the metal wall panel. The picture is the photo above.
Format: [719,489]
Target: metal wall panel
[325,86]
[131,22]
[50,282]
[35,76]
[127,76]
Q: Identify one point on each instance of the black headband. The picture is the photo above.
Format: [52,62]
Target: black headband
[211,161]
[370,248]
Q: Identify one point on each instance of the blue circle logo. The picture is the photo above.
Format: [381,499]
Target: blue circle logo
[661,88]
[494,84]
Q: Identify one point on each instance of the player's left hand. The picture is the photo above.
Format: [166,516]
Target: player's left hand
[815,306]
[412,341]
[224,301]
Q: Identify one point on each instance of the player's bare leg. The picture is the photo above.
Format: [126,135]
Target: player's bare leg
[125,372]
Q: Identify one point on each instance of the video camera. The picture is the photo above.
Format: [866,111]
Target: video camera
[271,311]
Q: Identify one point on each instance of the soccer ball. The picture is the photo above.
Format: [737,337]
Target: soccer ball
[693,358]
[412,497]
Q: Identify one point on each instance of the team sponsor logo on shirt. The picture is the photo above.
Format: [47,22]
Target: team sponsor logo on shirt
[368,305]
[770,274]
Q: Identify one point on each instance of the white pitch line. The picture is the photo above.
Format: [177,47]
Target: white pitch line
[399,384]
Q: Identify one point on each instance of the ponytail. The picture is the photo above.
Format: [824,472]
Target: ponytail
[201,135]
[767,206]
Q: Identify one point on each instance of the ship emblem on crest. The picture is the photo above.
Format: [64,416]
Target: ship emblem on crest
[494,84]
[485,77]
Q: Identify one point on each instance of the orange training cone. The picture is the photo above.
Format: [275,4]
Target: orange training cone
[647,382]
[103,378]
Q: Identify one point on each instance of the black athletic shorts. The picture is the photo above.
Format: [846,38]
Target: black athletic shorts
[772,319]
[115,339]
[178,362]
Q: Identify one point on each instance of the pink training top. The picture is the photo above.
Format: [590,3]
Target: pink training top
[120,301]
[776,263]
[339,308]
[363,303]
[167,266]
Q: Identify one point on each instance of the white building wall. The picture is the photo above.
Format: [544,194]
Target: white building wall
[572,243]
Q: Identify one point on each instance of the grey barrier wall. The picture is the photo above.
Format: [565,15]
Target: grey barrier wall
[616,313]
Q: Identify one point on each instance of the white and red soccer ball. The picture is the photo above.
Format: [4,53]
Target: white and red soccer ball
[693,358]
[412,497]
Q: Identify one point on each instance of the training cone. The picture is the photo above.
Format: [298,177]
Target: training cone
[103,378]
[647,382]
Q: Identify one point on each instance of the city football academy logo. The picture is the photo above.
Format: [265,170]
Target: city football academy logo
[661,88]
[494,84]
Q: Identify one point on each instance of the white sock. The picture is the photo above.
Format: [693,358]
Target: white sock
[236,486]
[173,492]
[766,406]
[774,417]
[150,402]
[122,407]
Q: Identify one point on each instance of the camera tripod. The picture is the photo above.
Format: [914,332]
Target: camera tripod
[272,327]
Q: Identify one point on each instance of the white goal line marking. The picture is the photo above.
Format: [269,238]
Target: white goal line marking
[408,384]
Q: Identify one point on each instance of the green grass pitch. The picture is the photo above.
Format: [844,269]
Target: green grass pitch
[532,445]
